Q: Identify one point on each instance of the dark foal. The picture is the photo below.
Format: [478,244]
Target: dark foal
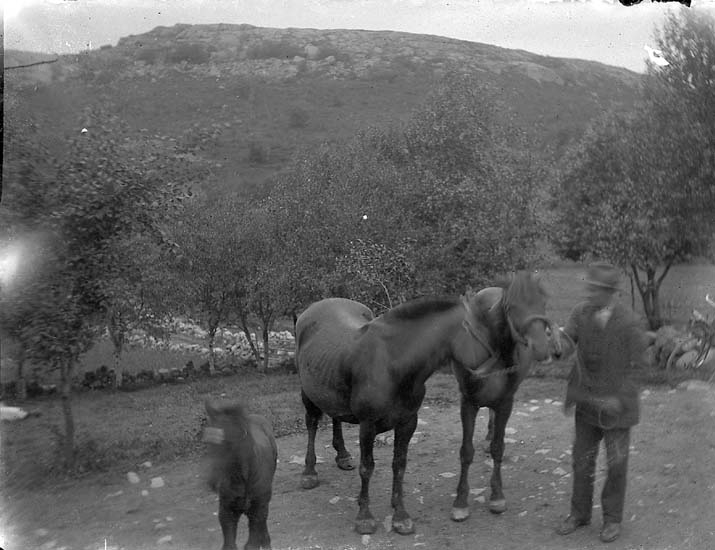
[243,461]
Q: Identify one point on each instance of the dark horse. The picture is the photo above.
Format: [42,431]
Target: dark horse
[510,323]
[372,371]
[243,461]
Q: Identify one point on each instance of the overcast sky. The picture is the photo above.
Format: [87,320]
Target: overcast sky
[601,30]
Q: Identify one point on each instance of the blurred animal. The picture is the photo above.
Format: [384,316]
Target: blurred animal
[243,456]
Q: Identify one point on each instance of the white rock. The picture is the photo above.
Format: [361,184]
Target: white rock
[447,474]
[133,477]
[334,500]
[146,464]
[534,408]
[48,545]
[156,482]
[145,493]
[365,540]
[541,451]
[166,539]
[477,491]
[480,499]
[559,471]
[509,431]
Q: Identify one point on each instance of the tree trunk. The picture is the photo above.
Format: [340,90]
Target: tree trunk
[116,334]
[650,293]
[212,356]
[117,366]
[266,351]
[21,384]
[66,371]
[247,332]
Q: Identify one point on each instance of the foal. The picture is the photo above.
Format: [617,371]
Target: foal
[243,461]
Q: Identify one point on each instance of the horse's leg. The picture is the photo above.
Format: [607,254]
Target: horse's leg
[228,515]
[401,520]
[365,523]
[258,536]
[497,502]
[343,459]
[468,414]
[490,426]
[312,417]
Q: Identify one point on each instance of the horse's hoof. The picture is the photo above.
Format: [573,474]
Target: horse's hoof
[309,482]
[404,526]
[345,463]
[459,514]
[497,506]
[365,526]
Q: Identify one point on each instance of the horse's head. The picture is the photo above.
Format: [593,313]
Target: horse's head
[524,306]
[224,434]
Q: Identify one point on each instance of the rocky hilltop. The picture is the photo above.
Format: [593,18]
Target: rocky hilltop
[255,96]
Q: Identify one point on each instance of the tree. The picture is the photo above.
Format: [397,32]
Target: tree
[107,186]
[209,264]
[639,190]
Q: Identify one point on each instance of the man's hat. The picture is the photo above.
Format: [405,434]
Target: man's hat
[603,275]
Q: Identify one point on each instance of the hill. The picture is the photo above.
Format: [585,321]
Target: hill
[249,98]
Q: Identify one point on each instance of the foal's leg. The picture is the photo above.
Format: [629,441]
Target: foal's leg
[258,536]
[228,516]
[365,523]
[401,520]
[312,417]
[497,502]
[343,459]
[468,414]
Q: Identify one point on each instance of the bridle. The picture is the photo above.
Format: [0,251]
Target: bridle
[518,337]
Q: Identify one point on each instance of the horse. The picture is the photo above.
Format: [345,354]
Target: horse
[371,371]
[243,461]
[510,324]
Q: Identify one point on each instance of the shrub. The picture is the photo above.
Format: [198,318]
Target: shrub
[258,152]
[191,52]
[298,117]
[150,56]
[271,48]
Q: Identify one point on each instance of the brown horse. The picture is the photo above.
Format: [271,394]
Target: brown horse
[244,456]
[510,323]
[372,371]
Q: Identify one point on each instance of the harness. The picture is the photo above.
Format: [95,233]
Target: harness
[493,355]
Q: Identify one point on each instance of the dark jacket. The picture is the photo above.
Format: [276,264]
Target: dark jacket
[606,358]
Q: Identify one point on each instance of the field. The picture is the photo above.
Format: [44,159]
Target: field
[119,431]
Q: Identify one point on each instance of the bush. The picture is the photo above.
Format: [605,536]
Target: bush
[191,52]
[150,56]
[271,48]
[298,117]
[258,153]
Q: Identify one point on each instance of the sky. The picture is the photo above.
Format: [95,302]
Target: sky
[599,30]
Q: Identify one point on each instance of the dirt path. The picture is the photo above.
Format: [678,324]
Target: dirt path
[669,505]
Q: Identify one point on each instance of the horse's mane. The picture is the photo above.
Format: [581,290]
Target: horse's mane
[421,307]
[519,287]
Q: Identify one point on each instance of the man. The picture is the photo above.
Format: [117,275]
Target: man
[609,343]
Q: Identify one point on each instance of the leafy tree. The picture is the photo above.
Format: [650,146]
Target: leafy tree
[107,186]
[209,264]
[639,190]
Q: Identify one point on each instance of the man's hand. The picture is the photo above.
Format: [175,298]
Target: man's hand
[609,404]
